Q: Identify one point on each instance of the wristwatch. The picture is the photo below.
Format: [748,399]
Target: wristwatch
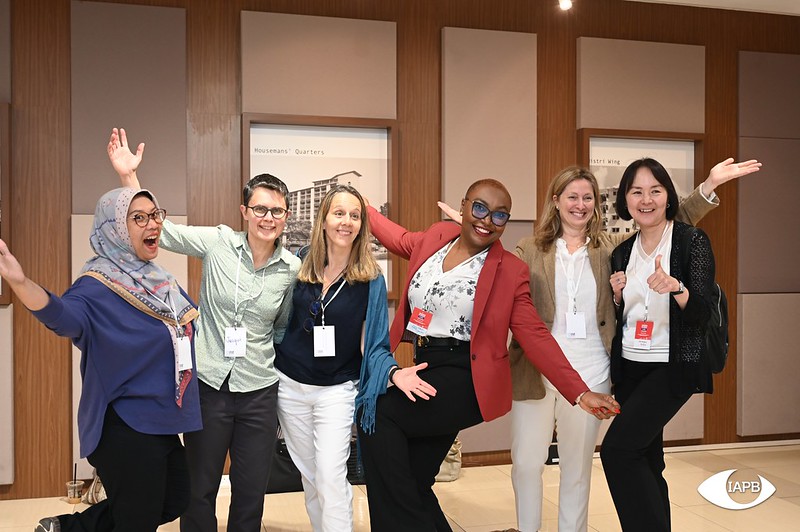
[681,289]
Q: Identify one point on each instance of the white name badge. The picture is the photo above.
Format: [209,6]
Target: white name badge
[184,353]
[324,341]
[235,342]
[576,325]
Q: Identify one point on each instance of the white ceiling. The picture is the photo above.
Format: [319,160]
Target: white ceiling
[780,7]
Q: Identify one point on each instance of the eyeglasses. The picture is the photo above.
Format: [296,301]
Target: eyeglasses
[142,218]
[313,309]
[260,211]
[481,211]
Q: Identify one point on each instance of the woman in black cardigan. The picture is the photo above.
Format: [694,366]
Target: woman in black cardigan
[662,283]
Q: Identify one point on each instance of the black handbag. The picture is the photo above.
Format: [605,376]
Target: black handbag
[283,476]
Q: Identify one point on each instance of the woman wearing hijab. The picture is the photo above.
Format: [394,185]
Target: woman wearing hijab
[134,327]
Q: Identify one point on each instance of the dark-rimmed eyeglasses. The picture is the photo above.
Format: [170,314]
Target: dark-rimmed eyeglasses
[481,211]
[314,308]
[142,218]
[261,211]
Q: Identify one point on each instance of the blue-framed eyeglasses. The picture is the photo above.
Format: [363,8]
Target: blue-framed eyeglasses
[314,308]
[481,211]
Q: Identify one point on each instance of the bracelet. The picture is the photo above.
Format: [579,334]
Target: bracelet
[614,300]
[392,371]
[578,400]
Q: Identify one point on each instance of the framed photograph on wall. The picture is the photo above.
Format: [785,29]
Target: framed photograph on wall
[607,152]
[5,189]
[312,154]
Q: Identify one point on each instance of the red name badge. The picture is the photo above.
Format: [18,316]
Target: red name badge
[643,334]
[419,321]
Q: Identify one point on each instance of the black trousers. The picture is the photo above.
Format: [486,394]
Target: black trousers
[245,425]
[145,476]
[633,448]
[403,455]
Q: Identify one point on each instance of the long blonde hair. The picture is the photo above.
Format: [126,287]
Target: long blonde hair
[361,266]
[549,227]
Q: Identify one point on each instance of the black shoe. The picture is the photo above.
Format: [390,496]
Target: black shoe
[48,524]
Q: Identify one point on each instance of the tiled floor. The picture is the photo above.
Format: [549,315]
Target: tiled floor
[482,499]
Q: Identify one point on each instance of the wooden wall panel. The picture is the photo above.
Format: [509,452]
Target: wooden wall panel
[41,167]
[41,191]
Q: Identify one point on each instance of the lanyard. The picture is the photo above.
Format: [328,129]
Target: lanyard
[236,292]
[169,302]
[325,305]
[636,257]
[572,284]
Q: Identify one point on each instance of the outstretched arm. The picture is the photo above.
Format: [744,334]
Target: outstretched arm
[122,158]
[31,294]
[726,171]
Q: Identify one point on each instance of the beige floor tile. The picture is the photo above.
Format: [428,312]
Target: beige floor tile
[475,478]
[793,500]
[684,520]
[774,515]
[479,507]
[707,461]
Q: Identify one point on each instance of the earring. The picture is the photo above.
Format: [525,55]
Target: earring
[667,205]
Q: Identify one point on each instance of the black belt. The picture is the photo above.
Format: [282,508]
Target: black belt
[423,342]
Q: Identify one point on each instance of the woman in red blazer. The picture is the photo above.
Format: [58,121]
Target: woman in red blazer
[463,294]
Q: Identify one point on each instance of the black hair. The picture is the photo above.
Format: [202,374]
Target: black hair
[267,181]
[661,175]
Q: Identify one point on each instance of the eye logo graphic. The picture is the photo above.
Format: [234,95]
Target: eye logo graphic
[716,489]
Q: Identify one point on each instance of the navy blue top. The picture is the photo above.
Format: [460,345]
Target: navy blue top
[127,361]
[347,311]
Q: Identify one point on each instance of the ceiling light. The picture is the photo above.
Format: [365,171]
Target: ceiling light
[565,4]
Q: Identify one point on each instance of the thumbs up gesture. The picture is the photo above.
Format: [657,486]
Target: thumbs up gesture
[660,282]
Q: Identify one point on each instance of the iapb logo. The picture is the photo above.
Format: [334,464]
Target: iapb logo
[717,489]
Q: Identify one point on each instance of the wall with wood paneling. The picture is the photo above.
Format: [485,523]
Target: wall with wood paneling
[41,166]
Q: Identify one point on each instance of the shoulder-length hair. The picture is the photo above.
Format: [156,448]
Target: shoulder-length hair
[549,227]
[361,267]
[661,175]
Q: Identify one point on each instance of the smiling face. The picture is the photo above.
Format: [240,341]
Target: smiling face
[647,199]
[478,234]
[144,239]
[576,205]
[264,231]
[343,221]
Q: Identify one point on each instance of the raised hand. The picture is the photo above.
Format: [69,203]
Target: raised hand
[410,384]
[449,211]
[726,171]
[10,270]
[122,159]
[660,282]
[29,293]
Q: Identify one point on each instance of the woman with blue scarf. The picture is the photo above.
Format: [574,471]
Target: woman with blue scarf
[338,302]
[134,327]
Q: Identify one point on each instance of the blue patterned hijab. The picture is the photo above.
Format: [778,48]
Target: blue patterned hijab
[144,284]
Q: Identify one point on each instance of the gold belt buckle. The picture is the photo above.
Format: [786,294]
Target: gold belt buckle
[422,341]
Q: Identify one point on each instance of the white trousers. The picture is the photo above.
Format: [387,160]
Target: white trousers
[532,424]
[317,425]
